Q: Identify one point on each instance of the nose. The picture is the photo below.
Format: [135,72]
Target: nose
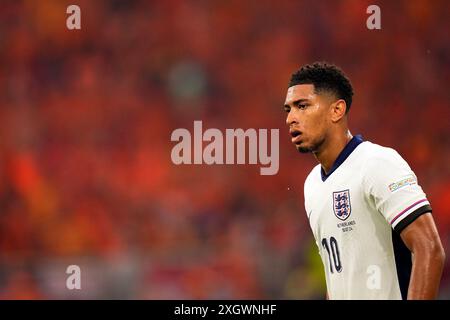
[291,118]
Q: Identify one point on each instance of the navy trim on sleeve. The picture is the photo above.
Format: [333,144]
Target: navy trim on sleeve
[411,217]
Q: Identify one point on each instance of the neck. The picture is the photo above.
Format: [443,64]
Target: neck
[331,149]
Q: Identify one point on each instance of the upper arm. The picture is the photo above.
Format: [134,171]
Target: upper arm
[422,235]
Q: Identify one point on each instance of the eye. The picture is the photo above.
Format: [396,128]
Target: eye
[287,110]
[302,106]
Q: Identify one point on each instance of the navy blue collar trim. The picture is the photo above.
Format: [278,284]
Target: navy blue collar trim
[348,149]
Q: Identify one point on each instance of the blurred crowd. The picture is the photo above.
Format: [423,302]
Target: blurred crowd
[86,116]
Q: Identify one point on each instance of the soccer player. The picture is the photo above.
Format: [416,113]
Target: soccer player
[370,218]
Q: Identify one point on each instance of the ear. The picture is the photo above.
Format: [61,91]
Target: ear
[337,110]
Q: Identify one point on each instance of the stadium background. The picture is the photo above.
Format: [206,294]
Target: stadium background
[86,116]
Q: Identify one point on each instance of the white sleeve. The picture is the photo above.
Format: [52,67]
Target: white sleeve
[393,187]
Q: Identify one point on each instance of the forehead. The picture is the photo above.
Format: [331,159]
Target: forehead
[301,91]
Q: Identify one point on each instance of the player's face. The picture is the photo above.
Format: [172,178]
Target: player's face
[307,117]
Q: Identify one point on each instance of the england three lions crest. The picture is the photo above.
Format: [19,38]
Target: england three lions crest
[341,204]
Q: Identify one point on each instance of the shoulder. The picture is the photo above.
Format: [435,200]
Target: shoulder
[311,182]
[382,164]
[377,156]
[312,178]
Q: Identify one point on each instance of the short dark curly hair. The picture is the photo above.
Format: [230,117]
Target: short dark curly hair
[325,77]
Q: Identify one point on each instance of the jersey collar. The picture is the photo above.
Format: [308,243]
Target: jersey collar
[348,149]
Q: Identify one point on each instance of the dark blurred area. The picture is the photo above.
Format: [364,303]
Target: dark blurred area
[86,116]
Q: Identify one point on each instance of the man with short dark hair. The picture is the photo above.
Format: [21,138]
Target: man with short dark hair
[370,218]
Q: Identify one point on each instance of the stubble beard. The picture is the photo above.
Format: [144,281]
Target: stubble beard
[313,148]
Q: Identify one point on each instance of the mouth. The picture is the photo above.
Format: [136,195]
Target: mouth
[296,136]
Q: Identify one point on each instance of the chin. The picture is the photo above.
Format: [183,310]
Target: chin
[303,149]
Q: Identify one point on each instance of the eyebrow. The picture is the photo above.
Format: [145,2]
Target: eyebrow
[296,102]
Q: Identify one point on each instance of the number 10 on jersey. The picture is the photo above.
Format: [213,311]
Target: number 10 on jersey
[333,254]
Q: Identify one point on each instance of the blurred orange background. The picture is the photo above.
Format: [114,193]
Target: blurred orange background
[86,116]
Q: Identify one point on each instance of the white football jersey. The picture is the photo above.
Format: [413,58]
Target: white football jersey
[356,213]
